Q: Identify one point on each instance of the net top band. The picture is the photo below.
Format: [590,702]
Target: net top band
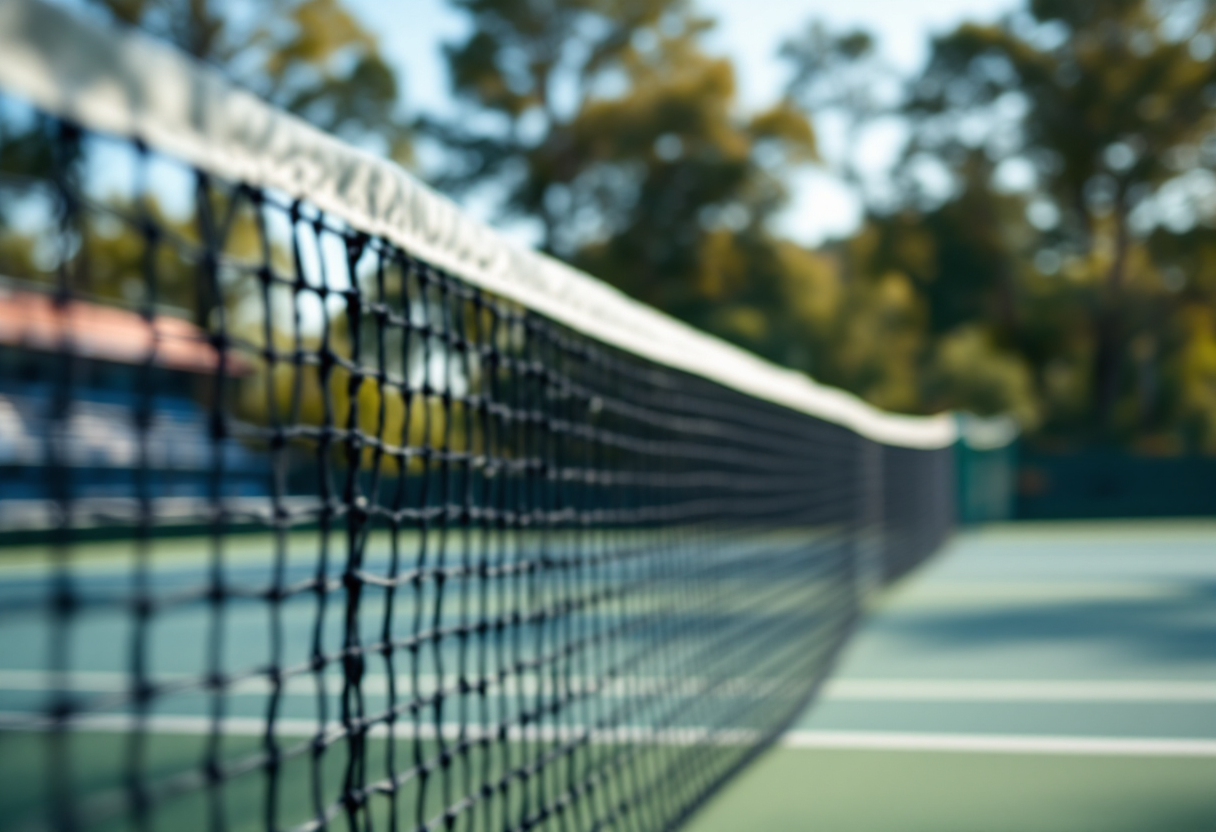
[129,85]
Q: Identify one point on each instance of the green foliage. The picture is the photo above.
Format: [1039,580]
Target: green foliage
[969,372]
[843,76]
[607,124]
[875,342]
[312,57]
[1108,104]
[1059,298]
[305,396]
[1054,215]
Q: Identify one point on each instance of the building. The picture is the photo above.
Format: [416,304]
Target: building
[100,367]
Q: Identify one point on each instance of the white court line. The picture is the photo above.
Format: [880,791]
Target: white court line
[1018,690]
[833,740]
[836,690]
[377,684]
[403,730]
[984,593]
[1001,744]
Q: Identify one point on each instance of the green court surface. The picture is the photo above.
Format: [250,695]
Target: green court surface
[875,791]
[1034,678]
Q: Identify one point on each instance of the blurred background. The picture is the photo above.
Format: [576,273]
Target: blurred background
[1005,208]
[992,207]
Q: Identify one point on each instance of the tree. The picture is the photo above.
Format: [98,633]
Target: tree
[523,75]
[1106,104]
[310,57]
[606,124]
[842,77]
[929,283]
[1053,212]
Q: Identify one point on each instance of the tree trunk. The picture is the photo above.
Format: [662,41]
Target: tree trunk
[1108,359]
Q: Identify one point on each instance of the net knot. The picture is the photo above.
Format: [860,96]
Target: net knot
[353,667]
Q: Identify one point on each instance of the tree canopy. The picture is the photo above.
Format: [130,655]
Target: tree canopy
[608,126]
[1053,208]
[1107,106]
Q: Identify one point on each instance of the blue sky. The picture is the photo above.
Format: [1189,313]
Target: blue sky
[749,31]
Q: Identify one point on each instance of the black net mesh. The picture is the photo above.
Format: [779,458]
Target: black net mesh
[299,530]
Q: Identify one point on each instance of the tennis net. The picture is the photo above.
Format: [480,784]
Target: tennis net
[326,505]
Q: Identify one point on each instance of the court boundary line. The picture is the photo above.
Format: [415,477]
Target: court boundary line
[1016,691]
[404,730]
[1013,691]
[999,744]
[693,735]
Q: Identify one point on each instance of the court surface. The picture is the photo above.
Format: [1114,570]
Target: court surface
[1033,677]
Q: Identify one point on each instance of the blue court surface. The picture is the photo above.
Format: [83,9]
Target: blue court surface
[1033,677]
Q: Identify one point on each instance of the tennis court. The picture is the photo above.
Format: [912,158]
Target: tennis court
[1036,677]
[1052,676]
[326,505]
[344,509]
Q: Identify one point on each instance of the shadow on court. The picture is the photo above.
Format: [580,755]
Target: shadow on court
[1176,627]
[1077,661]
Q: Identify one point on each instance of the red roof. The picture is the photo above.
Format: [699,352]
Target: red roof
[32,320]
